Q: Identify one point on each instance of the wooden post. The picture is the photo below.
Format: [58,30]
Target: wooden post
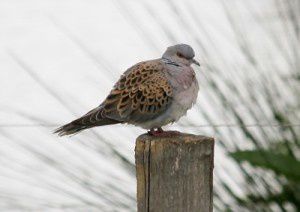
[174,174]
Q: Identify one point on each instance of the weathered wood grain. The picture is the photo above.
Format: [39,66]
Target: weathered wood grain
[174,173]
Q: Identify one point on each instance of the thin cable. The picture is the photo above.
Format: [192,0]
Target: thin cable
[188,126]
[28,125]
[245,125]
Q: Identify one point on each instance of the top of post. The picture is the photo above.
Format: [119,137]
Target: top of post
[180,138]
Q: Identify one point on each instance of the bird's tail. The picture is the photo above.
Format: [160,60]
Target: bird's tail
[91,119]
[70,128]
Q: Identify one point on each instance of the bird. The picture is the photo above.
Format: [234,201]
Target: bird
[150,95]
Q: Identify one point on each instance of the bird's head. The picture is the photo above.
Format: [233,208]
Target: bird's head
[181,53]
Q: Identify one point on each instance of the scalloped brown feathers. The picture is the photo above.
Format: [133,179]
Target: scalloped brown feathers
[141,94]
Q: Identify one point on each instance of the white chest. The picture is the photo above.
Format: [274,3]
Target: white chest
[183,101]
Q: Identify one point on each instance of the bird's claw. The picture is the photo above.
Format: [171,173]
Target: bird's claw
[161,133]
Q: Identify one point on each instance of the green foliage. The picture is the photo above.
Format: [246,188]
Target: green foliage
[281,164]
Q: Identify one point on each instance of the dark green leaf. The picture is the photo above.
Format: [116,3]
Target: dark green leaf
[279,163]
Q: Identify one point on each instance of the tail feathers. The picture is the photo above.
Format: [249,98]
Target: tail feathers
[70,129]
[91,119]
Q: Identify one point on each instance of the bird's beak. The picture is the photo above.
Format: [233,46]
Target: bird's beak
[195,62]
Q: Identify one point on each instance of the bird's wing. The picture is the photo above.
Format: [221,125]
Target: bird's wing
[142,93]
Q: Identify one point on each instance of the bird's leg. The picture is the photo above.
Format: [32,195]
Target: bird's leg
[151,132]
[154,132]
[161,132]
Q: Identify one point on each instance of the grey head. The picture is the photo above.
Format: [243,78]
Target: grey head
[181,53]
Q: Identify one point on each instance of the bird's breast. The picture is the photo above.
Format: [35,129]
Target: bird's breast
[184,100]
[185,91]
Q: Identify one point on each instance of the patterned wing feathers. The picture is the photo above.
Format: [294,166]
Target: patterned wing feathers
[142,93]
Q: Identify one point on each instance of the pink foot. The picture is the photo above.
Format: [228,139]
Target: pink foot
[160,133]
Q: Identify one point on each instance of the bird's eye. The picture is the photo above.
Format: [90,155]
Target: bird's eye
[179,54]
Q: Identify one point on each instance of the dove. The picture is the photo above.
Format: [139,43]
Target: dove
[150,95]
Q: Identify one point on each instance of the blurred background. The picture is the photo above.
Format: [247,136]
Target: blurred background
[59,59]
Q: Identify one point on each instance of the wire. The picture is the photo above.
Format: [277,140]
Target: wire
[191,126]
[244,125]
[28,125]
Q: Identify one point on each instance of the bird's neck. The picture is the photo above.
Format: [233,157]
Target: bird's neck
[169,61]
[182,75]
[172,61]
